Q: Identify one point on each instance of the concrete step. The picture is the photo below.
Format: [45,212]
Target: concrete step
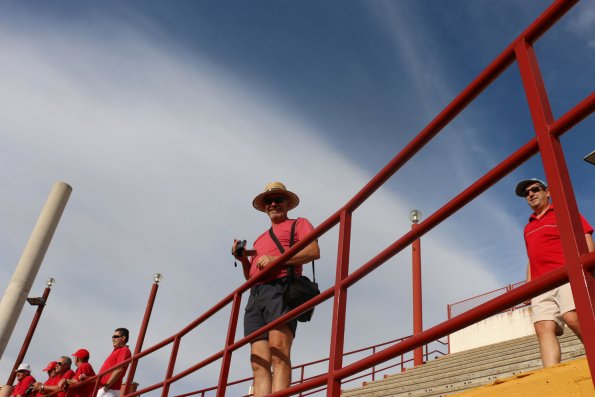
[468,369]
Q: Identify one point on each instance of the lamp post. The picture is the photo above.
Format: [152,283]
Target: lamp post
[40,302]
[415,217]
[157,277]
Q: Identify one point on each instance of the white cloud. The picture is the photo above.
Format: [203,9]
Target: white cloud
[582,22]
[165,153]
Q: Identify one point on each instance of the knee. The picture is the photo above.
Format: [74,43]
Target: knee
[280,355]
[545,329]
[260,366]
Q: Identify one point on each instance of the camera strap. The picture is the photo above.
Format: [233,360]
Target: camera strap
[290,269]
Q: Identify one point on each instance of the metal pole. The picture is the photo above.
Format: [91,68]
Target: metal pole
[143,330]
[32,327]
[30,262]
[416,286]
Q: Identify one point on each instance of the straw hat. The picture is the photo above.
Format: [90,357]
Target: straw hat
[272,189]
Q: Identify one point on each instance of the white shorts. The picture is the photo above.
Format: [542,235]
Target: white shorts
[551,305]
[109,393]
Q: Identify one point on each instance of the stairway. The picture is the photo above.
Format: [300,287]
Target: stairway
[467,369]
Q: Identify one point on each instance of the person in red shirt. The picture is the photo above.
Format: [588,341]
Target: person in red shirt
[265,304]
[544,248]
[25,381]
[111,382]
[84,371]
[53,378]
[63,372]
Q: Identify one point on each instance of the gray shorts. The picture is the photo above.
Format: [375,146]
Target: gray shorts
[264,306]
[551,305]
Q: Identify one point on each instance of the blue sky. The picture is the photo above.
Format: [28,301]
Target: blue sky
[168,118]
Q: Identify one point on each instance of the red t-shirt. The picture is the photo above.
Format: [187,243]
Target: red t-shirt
[53,381]
[117,356]
[66,375]
[23,385]
[264,245]
[544,247]
[86,390]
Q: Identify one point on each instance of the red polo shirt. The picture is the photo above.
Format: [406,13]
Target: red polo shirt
[23,385]
[86,390]
[117,356]
[66,375]
[544,247]
[53,381]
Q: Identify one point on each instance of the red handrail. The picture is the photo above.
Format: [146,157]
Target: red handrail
[301,367]
[546,143]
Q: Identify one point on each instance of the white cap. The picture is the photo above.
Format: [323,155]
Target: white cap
[24,367]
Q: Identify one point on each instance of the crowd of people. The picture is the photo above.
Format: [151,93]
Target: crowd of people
[61,376]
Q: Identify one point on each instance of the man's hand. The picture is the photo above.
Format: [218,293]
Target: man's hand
[264,261]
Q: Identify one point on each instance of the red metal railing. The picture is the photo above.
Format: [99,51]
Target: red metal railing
[579,262]
[454,309]
[301,368]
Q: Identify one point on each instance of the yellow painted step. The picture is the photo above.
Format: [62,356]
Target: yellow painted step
[570,379]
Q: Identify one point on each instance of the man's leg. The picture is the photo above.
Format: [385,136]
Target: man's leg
[571,319]
[280,340]
[260,359]
[548,342]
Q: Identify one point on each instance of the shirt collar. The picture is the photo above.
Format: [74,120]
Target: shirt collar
[534,216]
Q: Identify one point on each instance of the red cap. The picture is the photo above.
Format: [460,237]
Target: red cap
[51,365]
[81,353]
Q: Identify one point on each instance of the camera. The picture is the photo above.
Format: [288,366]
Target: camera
[239,249]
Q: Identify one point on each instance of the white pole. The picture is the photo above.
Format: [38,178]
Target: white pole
[24,275]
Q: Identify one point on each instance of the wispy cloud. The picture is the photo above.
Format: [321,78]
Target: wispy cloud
[165,152]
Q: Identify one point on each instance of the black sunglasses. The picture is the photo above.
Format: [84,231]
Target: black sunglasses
[117,336]
[276,200]
[534,189]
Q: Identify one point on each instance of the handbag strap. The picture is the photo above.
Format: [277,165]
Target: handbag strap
[290,269]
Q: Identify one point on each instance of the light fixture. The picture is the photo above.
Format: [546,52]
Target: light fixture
[415,216]
[590,158]
[50,283]
[157,277]
[37,301]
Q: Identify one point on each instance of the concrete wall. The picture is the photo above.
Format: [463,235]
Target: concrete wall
[498,328]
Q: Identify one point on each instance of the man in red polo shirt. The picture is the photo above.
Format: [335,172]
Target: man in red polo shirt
[112,381]
[84,371]
[24,379]
[63,372]
[544,248]
[53,379]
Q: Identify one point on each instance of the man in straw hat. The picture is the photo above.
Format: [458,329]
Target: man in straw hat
[272,349]
[551,309]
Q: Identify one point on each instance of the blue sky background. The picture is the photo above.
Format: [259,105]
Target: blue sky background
[168,118]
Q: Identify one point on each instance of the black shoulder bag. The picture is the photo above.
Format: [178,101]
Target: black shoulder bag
[299,289]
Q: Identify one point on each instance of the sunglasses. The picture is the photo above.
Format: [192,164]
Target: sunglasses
[117,336]
[534,189]
[276,200]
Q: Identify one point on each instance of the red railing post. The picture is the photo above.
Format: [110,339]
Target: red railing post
[339,306]
[171,365]
[143,330]
[415,216]
[231,333]
[40,305]
[574,246]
